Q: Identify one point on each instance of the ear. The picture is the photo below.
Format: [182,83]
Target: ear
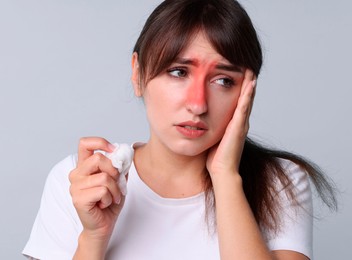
[135,76]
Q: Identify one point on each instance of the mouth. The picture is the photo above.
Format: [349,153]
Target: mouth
[192,129]
[193,125]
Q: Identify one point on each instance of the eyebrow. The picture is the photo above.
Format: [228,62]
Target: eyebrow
[220,66]
[229,67]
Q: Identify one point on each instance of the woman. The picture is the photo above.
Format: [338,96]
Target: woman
[199,188]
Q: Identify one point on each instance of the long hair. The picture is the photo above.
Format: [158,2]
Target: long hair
[229,29]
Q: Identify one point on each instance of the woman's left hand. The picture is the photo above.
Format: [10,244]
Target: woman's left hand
[226,155]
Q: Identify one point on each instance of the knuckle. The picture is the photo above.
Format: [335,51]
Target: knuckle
[83,141]
[76,203]
[97,158]
[242,135]
[72,190]
[244,109]
[104,177]
[103,191]
[115,174]
[71,175]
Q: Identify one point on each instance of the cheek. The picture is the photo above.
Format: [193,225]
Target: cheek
[223,111]
[160,102]
[227,114]
[226,104]
[152,105]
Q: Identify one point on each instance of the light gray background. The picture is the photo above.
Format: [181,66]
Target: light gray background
[65,69]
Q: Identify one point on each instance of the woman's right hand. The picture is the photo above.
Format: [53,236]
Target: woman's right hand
[94,190]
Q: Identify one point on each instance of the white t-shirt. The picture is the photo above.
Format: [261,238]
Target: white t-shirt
[151,227]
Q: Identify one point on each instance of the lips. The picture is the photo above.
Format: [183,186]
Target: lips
[193,125]
[191,129]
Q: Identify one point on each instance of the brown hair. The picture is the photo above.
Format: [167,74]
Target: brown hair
[229,29]
[173,23]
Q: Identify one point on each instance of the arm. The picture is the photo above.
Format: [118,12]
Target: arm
[288,255]
[239,234]
[90,248]
[96,197]
[56,228]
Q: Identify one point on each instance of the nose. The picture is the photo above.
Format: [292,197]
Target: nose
[197,97]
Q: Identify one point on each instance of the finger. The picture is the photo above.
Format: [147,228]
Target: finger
[89,198]
[245,103]
[87,146]
[231,146]
[105,201]
[240,118]
[237,129]
[97,163]
[254,86]
[100,180]
[248,77]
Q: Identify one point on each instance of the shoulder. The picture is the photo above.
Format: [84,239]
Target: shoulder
[57,226]
[67,163]
[296,211]
[298,180]
[292,169]
[57,184]
[59,173]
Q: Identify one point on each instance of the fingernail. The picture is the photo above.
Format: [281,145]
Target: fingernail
[118,200]
[254,83]
[111,147]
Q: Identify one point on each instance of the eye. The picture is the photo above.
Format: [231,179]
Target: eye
[225,82]
[177,72]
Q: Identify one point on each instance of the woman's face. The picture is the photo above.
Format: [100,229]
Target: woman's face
[190,104]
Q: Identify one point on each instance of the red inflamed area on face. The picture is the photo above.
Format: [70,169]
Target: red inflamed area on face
[203,67]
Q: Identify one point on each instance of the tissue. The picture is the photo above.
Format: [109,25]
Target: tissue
[121,158]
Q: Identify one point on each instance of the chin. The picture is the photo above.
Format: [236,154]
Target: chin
[189,148]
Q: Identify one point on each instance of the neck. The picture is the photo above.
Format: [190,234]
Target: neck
[169,174]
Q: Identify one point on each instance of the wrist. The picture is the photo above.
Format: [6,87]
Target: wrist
[226,181]
[226,175]
[91,247]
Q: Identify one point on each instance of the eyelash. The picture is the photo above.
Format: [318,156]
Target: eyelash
[177,69]
[227,82]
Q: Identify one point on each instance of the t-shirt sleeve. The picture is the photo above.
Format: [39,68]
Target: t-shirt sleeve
[296,226]
[56,228]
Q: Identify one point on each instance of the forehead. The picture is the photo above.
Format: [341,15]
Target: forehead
[199,48]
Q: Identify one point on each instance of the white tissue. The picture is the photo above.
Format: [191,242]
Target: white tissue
[121,158]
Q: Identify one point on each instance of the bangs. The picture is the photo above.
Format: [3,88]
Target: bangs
[168,31]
